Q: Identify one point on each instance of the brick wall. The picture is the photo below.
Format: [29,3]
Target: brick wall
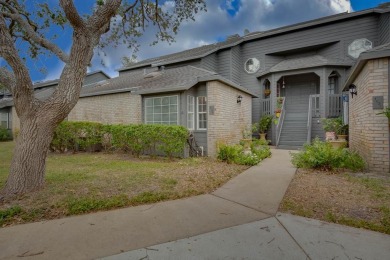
[229,118]
[369,132]
[122,108]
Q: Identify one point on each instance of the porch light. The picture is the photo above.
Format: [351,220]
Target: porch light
[283,84]
[239,99]
[352,90]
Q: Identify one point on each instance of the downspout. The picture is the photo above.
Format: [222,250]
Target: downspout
[388,97]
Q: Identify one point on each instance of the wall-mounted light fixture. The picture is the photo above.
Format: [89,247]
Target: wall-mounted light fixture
[352,90]
[239,99]
[283,84]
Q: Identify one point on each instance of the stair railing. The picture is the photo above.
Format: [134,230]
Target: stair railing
[309,118]
[279,126]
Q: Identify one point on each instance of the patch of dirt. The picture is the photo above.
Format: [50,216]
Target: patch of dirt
[360,200]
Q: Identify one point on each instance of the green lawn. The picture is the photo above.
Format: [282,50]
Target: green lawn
[87,182]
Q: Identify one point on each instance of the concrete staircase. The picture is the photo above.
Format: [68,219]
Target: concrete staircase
[294,131]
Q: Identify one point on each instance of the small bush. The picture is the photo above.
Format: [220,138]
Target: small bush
[136,138]
[321,155]
[235,154]
[4,134]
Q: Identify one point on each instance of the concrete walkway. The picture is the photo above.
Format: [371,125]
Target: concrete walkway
[235,222]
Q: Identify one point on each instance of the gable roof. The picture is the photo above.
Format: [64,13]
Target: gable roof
[43,90]
[200,52]
[378,52]
[167,80]
[191,54]
[303,63]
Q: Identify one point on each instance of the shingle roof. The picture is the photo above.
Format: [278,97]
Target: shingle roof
[203,51]
[378,52]
[303,63]
[190,54]
[6,102]
[168,80]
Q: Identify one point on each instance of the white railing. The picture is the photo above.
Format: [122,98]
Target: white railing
[335,106]
[279,126]
[266,107]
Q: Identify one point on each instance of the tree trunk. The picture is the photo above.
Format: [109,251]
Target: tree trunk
[27,172]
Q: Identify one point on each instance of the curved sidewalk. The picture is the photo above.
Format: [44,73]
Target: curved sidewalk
[236,221]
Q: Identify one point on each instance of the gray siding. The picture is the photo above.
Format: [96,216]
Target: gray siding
[210,62]
[384,30]
[236,64]
[94,78]
[224,66]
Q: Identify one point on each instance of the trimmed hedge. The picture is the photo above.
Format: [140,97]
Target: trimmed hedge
[137,139]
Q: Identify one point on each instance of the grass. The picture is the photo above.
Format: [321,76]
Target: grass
[357,200]
[90,182]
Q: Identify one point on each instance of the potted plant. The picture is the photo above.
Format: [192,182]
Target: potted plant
[334,126]
[264,124]
[247,137]
[277,112]
[329,127]
[267,92]
[341,130]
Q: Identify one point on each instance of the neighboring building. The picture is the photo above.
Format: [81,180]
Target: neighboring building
[213,108]
[306,63]
[217,90]
[368,129]
[42,90]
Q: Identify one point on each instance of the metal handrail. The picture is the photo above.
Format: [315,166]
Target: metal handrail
[309,119]
[279,126]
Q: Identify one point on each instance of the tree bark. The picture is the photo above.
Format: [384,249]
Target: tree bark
[27,172]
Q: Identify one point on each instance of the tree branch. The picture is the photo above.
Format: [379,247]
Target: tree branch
[22,89]
[72,14]
[31,32]
[103,14]
[7,79]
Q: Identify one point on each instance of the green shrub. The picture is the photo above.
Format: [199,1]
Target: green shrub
[76,136]
[137,138]
[235,154]
[321,155]
[4,134]
[229,153]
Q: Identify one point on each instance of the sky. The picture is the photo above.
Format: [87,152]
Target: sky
[223,18]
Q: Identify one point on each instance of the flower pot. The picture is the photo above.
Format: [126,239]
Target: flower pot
[342,137]
[262,136]
[337,144]
[329,136]
[278,115]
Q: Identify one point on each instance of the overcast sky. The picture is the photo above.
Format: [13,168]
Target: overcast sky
[223,18]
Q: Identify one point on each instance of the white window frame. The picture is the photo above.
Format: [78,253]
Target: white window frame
[161,97]
[198,113]
[7,114]
[190,114]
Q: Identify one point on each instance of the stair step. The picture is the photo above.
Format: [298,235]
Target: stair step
[289,147]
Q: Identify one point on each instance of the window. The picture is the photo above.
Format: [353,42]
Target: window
[252,65]
[161,110]
[358,46]
[4,120]
[202,113]
[190,112]
[333,83]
